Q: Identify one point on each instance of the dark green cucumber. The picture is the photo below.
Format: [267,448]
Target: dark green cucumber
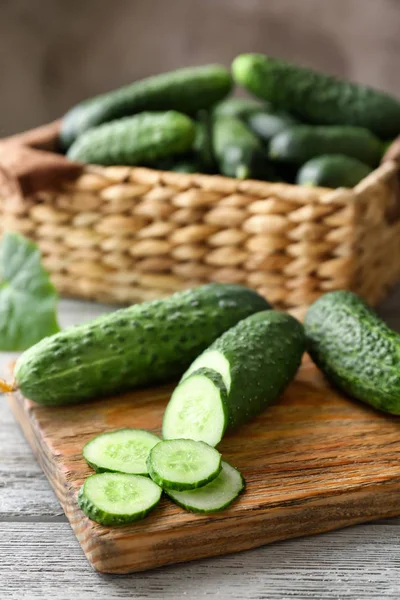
[267,123]
[332,170]
[355,349]
[118,498]
[185,90]
[143,344]
[239,153]
[135,140]
[237,107]
[185,163]
[256,360]
[300,143]
[316,97]
[203,143]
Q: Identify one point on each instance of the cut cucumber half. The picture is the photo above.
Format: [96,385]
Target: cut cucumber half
[214,496]
[121,451]
[117,498]
[215,360]
[197,409]
[183,464]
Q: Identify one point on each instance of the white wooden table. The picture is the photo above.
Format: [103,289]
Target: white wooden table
[41,559]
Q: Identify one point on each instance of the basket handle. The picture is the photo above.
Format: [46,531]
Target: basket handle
[393,152]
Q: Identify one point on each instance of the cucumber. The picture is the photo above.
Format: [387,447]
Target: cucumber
[332,170]
[185,163]
[203,143]
[185,90]
[266,123]
[198,408]
[316,97]
[300,143]
[144,344]
[357,351]
[237,107]
[214,496]
[121,451]
[117,498]
[256,359]
[135,140]
[183,464]
[238,151]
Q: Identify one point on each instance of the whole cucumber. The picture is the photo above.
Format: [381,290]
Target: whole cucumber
[144,344]
[357,351]
[135,140]
[185,90]
[332,170]
[316,97]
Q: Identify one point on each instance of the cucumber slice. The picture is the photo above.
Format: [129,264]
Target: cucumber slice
[117,498]
[183,464]
[214,496]
[121,451]
[197,409]
[215,360]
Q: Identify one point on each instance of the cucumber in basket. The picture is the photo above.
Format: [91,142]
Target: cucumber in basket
[355,349]
[185,90]
[144,344]
[241,373]
[332,170]
[316,97]
[300,143]
[239,153]
[135,140]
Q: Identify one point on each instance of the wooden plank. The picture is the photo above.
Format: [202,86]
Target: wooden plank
[314,462]
[358,563]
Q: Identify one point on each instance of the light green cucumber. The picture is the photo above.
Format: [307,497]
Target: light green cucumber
[316,97]
[135,140]
[185,90]
[120,451]
[141,345]
[117,498]
[237,107]
[255,360]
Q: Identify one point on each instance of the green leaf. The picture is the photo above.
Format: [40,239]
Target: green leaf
[28,300]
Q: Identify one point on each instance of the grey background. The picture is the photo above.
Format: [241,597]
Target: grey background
[54,53]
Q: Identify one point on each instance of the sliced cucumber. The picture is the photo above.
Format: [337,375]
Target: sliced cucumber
[183,464]
[214,496]
[121,451]
[118,498]
[197,409]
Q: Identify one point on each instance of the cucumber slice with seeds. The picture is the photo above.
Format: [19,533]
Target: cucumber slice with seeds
[183,464]
[117,498]
[121,451]
[214,496]
[197,409]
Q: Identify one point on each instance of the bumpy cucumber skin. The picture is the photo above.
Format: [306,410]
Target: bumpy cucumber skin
[265,124]
[104,518]
[264,352]
[178,486]
[239,153]
[300,143]
[357,352]
[237,107]
[144,344]
[185,90]
[135,140]
[332,170]
[170,494]
[316,97]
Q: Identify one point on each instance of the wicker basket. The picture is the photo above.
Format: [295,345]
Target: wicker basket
[122,234]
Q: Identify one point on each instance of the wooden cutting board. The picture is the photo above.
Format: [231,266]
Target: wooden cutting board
[315,461]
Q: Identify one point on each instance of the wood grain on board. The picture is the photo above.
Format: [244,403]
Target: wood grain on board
[314,462]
